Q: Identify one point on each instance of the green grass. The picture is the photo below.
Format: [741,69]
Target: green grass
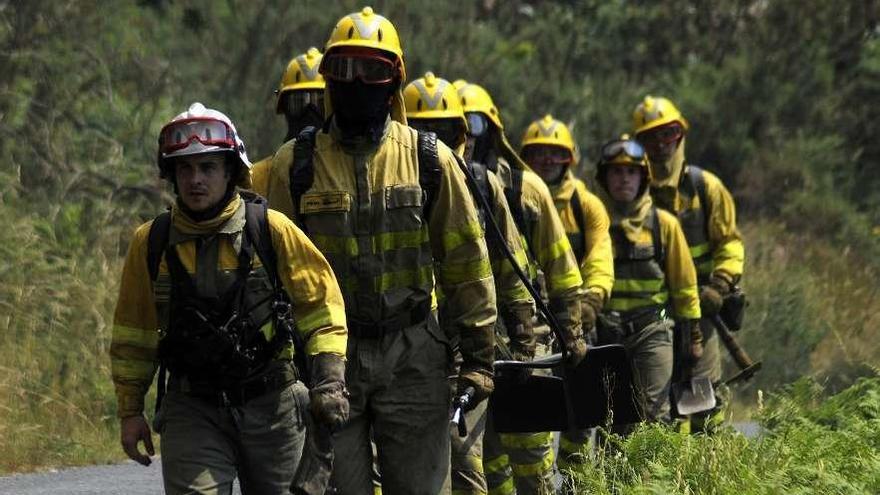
[809,445]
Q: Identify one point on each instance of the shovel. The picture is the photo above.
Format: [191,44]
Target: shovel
[693,395]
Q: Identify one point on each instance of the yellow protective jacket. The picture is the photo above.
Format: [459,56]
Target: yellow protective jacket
[364,211]
[592,239]
[260,173]
[544,234]
[715,243]
[316,300]
[641,282]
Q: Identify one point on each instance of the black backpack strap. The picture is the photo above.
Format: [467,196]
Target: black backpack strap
[659,251]
[430,173]
[257,230]
[514,199]
[157,240]
[578,211]
[698,182]
[302,170]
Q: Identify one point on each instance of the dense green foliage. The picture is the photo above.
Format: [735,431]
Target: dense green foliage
[781,96]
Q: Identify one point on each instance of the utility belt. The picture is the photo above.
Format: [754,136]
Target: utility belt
[613,327]
[376,330]
[235,394]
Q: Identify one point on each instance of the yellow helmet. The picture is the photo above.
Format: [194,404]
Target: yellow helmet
[431,97]
[301,73]
[551,132]
[459,83]
[654,112]
[475,98]
[367,29]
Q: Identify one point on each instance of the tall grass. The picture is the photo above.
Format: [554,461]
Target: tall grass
[809,445]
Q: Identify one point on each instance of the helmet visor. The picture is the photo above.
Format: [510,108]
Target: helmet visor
[659,136]
[478,124]
[632,149]
[178,135]
[371,69]
[449,131]
[543,154]
[299,100]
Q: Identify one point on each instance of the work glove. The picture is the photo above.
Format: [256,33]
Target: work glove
[689,342]
[567,312]
[591,306]
[328,395]
[477,346]
[712,295]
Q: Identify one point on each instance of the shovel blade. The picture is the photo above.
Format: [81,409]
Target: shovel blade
[694,396]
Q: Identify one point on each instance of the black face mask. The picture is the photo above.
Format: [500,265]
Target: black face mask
[361,109]
[483,149]
[310,116]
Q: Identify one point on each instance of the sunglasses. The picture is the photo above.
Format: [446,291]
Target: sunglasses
[661,135]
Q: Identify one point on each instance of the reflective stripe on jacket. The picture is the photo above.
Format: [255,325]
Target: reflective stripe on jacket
[641,282]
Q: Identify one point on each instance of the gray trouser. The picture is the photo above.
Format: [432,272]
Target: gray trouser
[204,446]
[468,476]
[400,392]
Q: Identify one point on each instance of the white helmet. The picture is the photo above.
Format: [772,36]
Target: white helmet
[200,130]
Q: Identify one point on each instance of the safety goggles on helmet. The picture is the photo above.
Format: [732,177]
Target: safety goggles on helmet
[540,154]
[665,134]
[178,135]
[478,124]
[369,68]
[299,100]
[632,149]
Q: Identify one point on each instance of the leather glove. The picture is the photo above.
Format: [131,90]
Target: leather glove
[328,395]
[481,383]
[520,330]
[712,295]
[591,306]
[689,341]
[568,314]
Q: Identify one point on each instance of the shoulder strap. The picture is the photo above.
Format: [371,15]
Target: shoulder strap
[302,170]
[578,211]
[514,198]
[156,242]
[659,252]
[257,230]
[430,173]
[698,182]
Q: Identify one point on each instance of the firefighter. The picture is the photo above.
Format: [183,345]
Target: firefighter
[707,214]
[390,209]
[300,98]
[432,105]
[207,293]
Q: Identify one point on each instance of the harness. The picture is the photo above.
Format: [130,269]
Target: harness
[218,342]
[577,239]
[302,173]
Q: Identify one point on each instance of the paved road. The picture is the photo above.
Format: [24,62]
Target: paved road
[128,478]
[133,479]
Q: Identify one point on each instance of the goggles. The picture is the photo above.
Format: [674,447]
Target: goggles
[178,135]
[541,154]
[449,131]
[299,100]
[370,69]
[632,149]
[661,135]
[478,124]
